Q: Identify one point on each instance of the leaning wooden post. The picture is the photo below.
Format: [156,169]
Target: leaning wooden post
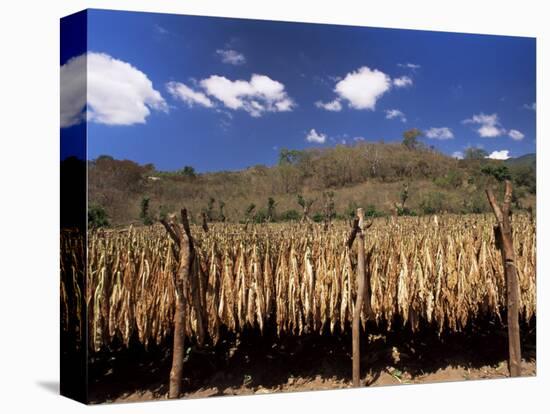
[204,222]
[356,352]
[183,250]
[504,241]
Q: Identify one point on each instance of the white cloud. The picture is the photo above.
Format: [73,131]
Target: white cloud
[440,133]
[334,106]
[231,56]
[402,82]
[358,139]
[395,113]
[73,91]
[260,94]
[515,135]
[183,92]
[532,106]
[285,105]
[117,92]
[489,125]
[458,155]
[412,66]
[363,87]
[499,155]
[314,136]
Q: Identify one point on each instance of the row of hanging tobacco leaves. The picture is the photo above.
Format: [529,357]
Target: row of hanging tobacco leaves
[444,270]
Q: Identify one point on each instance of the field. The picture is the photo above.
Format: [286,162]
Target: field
[434,275]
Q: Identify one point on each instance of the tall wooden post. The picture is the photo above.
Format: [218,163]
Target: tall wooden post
[204,222]
[356,352]
[183,252]
[504,241]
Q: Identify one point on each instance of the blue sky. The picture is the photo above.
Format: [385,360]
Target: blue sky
[225,94]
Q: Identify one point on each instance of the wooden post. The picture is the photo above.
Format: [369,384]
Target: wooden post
[183,251]
[204,222]
[504,241]
[356,352]
[354,229]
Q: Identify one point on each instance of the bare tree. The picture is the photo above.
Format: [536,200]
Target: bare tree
[504,242]
[359,228]
[183,250]
[306,205]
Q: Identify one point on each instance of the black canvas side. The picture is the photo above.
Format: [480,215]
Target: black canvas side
[73,184]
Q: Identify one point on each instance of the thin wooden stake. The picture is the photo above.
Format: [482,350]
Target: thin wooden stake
[504,241]
[183,249]
[356,352]
[204,222]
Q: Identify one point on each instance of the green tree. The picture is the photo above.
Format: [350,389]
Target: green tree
[249,210]
[371,211]
[290,215]
[291,157]
[271,209]
[432,203]
[474,153]
[260,216]
[499,172]
[187,171]
[221,205]
[410,138]
[144,214]
[97,217]
[526,177]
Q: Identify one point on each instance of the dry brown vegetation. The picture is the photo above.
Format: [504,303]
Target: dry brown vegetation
[441,270]
[360,175]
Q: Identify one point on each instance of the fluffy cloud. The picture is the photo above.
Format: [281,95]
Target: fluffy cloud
[499,155]
[231,56]
[532,106]
[395,113]
[440,133]
[412,66]
[73,91]
[458,155]
[117,93]
[489,125]
[314,136]
[515,135]
[362,88]
[260,94]
[334,106]
[402,82]
[183,92]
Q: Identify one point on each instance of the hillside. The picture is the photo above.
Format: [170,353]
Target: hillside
[376,176]
[527,160]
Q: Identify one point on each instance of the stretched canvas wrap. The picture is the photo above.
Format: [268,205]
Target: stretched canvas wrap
[251,207]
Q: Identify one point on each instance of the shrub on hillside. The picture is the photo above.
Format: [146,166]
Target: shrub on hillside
[290,215]
[432,203]
[97,217]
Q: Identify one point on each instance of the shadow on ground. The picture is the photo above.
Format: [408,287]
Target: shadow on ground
[50,386]
[253,361]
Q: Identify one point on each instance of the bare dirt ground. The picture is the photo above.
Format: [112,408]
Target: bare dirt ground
[255,364]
